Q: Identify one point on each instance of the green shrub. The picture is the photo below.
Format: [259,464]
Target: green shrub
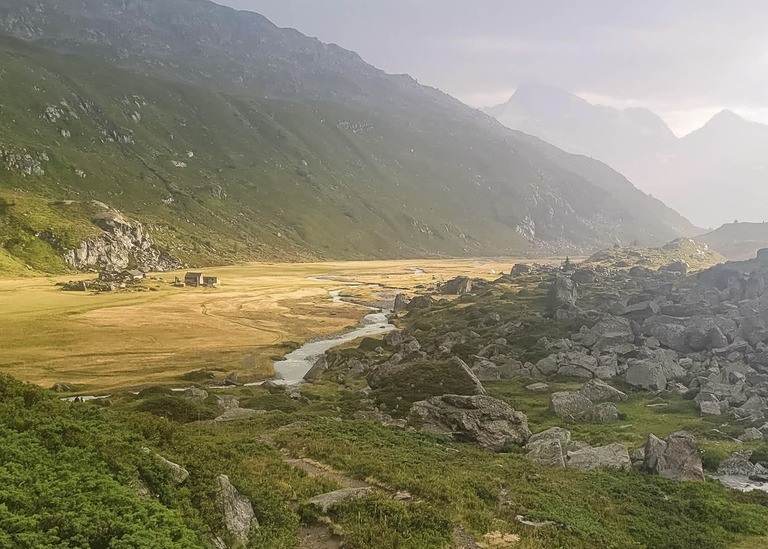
[175,408]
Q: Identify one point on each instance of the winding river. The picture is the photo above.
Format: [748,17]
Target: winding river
[292,369]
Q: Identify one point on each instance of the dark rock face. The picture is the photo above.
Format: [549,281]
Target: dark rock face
[317,369]
[483,420]
[564,292]
[120,246]
[520,268]
[420,302]
[458,286]
[585,275]
[675,458]
[401,303]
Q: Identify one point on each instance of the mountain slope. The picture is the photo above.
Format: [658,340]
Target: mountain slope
[737,241]
[721,170]
[232,139]
[713,175]
[628,140]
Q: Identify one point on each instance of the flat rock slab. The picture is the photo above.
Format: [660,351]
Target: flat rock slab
[328,500]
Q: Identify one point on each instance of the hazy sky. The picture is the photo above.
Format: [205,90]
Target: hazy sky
[686,60]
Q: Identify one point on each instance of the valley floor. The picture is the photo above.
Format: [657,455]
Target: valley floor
[111,340]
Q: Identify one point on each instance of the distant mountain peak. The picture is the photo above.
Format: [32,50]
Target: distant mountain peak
[727,116]
[543,97]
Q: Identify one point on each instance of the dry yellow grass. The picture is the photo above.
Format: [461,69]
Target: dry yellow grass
[112,340]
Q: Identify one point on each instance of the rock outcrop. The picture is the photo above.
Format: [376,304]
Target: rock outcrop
[235,508]
[486,421]
[457,286]
[675,458]
[568,404]
[612,456]
[121,245]
[564,292]
[597,390]
[554,448]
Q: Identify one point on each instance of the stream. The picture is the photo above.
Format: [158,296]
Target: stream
[295,365]
[292,369]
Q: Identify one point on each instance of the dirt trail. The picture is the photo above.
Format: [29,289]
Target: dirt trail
[319,537]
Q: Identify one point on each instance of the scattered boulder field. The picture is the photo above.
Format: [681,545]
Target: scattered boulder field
[700,334]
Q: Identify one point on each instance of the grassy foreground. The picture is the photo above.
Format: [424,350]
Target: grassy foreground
[71,473]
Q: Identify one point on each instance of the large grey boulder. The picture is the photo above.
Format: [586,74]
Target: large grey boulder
[329,499]
[564,293]
[457,286]
[710,407]
[605,412]
[520,268]
[597,390]
[394,338]
[739,465]
[235,508]
[549,453]
[317,370]
[486,421]
[585,275]
[646,374]
[568,404]
[640,311]
[486,370]
[401,303]
[226,403]
[675,458]
[549,447]
[750,434]
[576,364]
[419,303]
[613,456]
[670,331]
[548,366]
[193,393]
[553,433]
[612,334]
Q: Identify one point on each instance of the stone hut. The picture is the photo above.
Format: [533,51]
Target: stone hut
[193,279]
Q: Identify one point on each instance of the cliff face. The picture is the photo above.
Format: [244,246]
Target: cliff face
[122,245]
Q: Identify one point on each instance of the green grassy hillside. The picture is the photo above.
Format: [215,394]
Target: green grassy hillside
[294,150]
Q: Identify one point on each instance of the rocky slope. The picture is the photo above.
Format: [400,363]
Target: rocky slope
[229,138]
[121,245]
